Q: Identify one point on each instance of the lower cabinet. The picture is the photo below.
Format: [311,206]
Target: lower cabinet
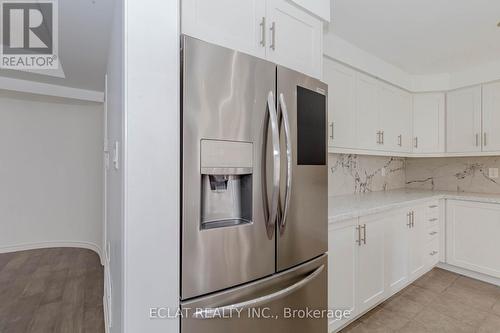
[472,231]
[375,256]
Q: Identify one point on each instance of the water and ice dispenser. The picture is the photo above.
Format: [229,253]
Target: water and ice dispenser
[226,183]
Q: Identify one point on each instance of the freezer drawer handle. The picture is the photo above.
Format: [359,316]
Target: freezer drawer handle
[256,302]
[288,138]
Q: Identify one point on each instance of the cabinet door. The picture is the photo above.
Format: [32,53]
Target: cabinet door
[428,123]
[295,38]
[371,262]
[395,110]
[367,112]
[396,240]
[342,251]
[222,22]
[464,120]
[472,231]
[491,117]
[341,82]
[417,243]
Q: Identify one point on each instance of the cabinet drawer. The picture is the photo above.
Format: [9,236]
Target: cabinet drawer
[432,210]
[432,232]
[432,250]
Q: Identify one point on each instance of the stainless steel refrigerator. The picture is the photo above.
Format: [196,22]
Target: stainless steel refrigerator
[254,194]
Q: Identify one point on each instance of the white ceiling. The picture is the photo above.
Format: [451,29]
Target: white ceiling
[84,32]
[422,36]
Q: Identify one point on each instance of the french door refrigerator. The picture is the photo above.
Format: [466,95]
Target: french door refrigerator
[254,194]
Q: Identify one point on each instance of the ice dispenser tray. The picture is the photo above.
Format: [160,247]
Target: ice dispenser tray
[226,183]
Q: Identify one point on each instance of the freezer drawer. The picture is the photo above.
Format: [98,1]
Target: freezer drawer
[277,304]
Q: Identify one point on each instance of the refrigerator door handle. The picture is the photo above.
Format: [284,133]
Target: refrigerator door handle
[273,116]
[288,140]
[215,312]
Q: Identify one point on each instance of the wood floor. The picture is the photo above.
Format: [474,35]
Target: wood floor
[51,290]
[439,302]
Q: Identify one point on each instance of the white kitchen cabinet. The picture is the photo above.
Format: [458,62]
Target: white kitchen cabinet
[491,117]
[463,120]
[428,123]
[341,81]
[271,29]
[418,257]
[241,27]
[397,250]
[371,262]
[295,38]
[367,113]
[394,121]
[472,230]
[342,266]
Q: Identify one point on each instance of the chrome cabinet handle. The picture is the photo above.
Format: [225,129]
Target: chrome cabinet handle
[382,137]
[256,302]
[433,219]
[477,140]
[378,137]
[358,241]
[400,140]
[288,140]
[408,215]
[433,233]
[364,234]
[273,36]
[331,127]
[263,32]
[412,219]
[433,253]
[273,212]
[484,139]
[433,206]
[416,142]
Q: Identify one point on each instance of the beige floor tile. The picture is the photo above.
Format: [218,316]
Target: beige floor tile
[403,306]
[453,306]
[385,318]
[496,308]
[436,280]
[420,295]
[481,286]
[434,321]
[414,327]
[472,297]
[490,325]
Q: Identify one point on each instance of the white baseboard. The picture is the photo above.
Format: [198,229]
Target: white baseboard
[46,245]
[471,274]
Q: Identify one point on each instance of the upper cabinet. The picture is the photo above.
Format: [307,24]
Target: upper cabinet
[241,27]
[463,122]
[320,8]
[491,117]
[428,123]
[395,118]
[341,104]
[270,29]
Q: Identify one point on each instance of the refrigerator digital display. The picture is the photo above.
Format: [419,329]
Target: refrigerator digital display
[311,127]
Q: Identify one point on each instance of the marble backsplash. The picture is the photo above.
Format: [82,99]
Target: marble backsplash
[349,174]
[463,174]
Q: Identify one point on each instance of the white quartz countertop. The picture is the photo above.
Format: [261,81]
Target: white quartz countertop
[345,207]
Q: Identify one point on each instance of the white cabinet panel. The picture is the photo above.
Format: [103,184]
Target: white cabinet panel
[463,119]
[428,123]
[491,117]
[472,231]
[342,253]
[395,111]
[320,8]
[341,82]
[295,38]
[224,23]
[371,262]
[367,112]
[418,241]
[396,241]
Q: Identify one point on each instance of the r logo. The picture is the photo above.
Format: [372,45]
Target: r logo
[27,27]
